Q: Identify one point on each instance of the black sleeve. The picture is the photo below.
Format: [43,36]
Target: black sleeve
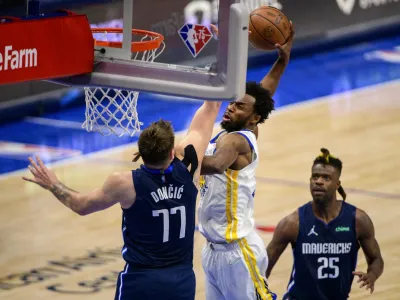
[190,158]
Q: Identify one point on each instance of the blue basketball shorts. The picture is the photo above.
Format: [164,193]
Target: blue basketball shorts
[172,283]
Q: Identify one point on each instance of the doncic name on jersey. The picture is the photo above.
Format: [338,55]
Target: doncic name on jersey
[170,192]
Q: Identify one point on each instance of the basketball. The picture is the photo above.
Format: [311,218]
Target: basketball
[268,26]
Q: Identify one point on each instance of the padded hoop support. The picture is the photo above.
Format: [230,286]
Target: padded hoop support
[47,52]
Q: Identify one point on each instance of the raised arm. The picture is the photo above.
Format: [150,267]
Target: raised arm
[271,81]
[228,148]
[200,130]
[286,232]
[372,252]
[116,189]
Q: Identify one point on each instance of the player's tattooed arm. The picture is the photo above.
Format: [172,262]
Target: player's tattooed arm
[227,151]
[285,233]
[48,180]
[82,203]
[64,194]
[366,237]
[117,188]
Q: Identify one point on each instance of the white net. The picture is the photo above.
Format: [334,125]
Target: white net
[113,111]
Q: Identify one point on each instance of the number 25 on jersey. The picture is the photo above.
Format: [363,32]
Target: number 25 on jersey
[328,267]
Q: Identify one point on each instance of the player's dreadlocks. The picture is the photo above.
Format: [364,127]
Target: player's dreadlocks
[326,158]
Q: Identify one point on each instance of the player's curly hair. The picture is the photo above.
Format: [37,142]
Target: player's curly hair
[326,158]
[264,103]
[156,143]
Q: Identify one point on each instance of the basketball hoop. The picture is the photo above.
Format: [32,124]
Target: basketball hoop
[110,110]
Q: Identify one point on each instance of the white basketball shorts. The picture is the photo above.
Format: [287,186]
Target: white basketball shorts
[236,271]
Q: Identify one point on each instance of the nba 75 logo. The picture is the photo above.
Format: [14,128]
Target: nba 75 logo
[195,37]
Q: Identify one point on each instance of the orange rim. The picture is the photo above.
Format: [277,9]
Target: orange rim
[136,46]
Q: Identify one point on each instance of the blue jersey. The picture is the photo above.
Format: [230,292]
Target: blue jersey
[325,255]
[158,230]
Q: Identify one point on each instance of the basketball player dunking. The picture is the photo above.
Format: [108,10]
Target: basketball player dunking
[158,203]
[325,235]
[234,258]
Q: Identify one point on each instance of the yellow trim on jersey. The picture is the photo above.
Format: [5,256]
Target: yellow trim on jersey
[228,206]
[256,277]
[232,189]
[202,181]
[235,188]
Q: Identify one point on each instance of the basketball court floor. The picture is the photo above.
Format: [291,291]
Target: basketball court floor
[347,101]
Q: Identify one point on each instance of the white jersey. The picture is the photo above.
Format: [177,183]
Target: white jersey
[226,206]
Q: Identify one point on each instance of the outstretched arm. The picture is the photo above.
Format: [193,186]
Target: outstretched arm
[372,252]
[200,130]
[228,149]
[271,81]
[112,191]
[285,233]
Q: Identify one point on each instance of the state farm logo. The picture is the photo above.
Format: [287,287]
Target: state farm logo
[18,59]
[347,6]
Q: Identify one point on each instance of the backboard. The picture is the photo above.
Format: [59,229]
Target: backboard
[194,63]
